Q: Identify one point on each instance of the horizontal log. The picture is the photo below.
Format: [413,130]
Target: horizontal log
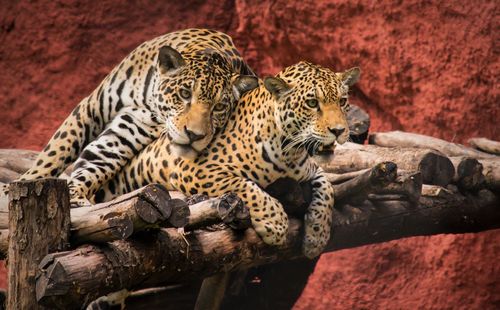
[7,175]
[491,171]
[407,139]
[4,243]
[468,173]
[74,278]
[141,209]
[485,145]
[359,124]
[358,188]
[337,178]
[17,160]
[408,185]
[228,209]
[436,168]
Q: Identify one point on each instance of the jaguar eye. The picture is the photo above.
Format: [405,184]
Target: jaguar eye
[343,101]
[219,107]
[312,103]
[185,94]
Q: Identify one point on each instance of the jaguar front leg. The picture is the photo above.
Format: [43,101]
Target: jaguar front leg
[267,214]
[126,135]
[318,218]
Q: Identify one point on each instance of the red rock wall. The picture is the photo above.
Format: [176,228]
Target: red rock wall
[428,68]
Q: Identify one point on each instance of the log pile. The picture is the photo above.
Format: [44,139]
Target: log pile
[400,185]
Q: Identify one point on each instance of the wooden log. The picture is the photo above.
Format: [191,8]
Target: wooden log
[17,160]
[468,173]
[407,139]
[147,207]
[228,209]
[132,213]
[38,225]
[4,243]
[7,175]
[359,124]
[73,278]
[408,185]
[358,188]
[491,171]
[436,168]
[4,212]
[485,145]
[337,178]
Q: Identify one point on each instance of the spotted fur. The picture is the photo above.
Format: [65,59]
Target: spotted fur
[270,135]
[182,83]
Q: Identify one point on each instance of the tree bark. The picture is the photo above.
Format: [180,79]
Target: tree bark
[491,171]
[38,225]
[407,139]
[359,124]
[74,278]
[147,207]
[468,173]
[17,160]
[436,168]
[358,188]
[486,145]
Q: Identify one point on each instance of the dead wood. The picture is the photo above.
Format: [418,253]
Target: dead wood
[17,160]
[491,171]
[359,124]
[468,173]
[38,225]
[141,209]
[485,145]
[7,175]
[165,256]
[358,188]
[435,168]
[407,139]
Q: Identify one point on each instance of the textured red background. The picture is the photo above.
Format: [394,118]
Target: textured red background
[428,68]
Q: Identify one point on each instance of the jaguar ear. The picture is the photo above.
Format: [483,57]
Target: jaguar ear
[276,86]
[169,60]
[351,76]
[243,84]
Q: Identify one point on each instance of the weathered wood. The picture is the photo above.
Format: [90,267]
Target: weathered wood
[359,124]
[337,178]
[141,209]
[407,184]
[228,209]
[38,225]
[407,139]
[4,212]
[358,188]
[17,160]
[436,168]
[79,276]
[485,145]
[468,173]
[491,171]
[7,175]
[4,243]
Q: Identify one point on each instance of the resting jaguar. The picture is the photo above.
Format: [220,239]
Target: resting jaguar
[270,135]
[183,83]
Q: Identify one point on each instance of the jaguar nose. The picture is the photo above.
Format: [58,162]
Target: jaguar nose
[337,131]
[193,136]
